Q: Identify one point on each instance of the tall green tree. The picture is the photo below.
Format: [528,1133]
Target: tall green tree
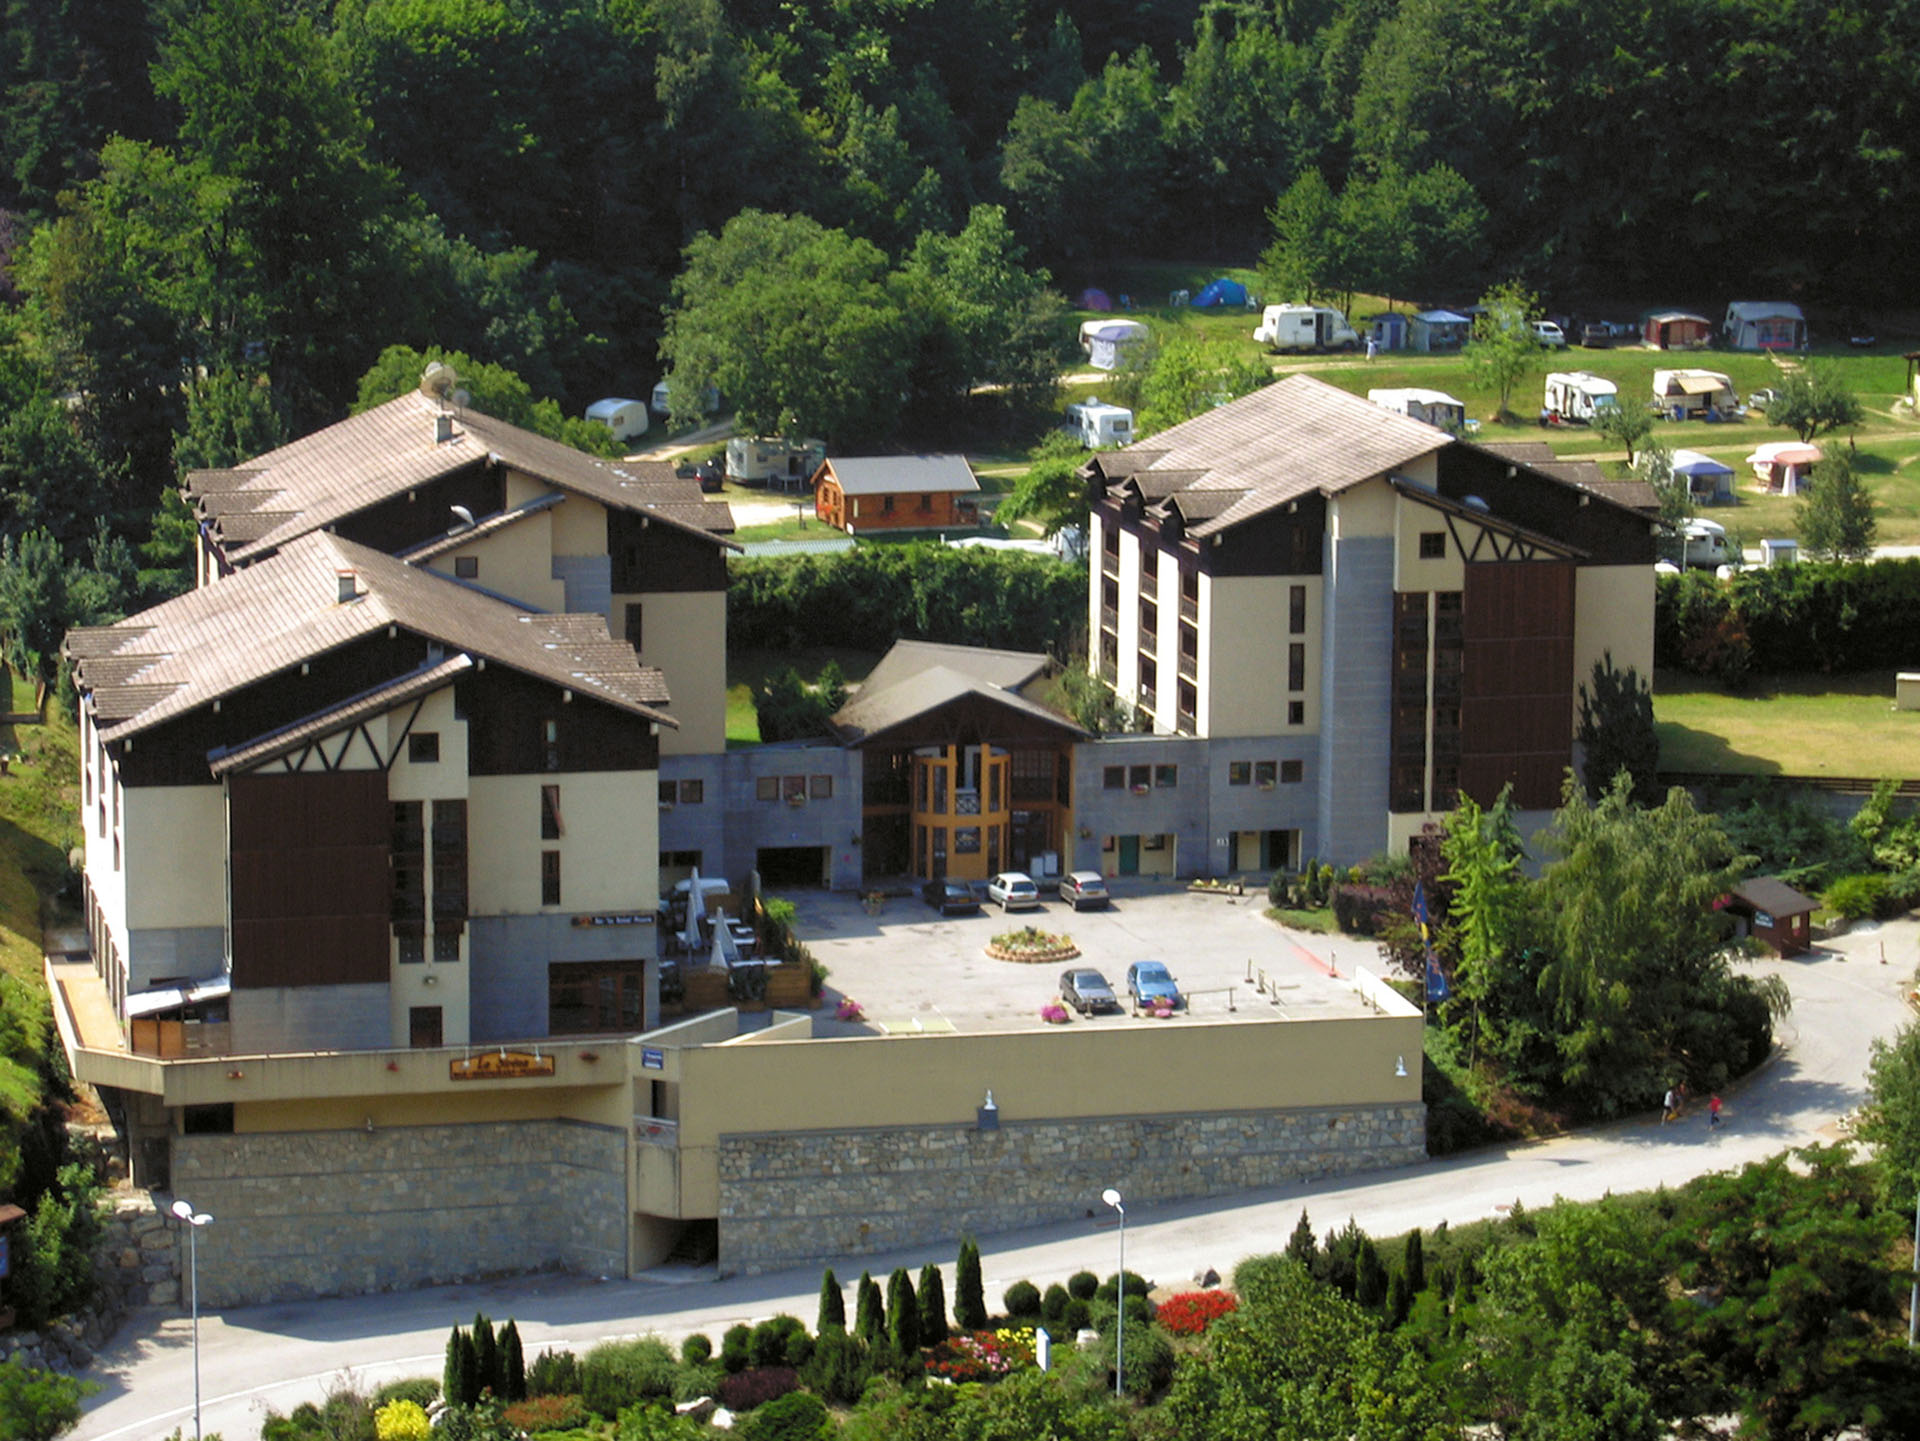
[903,1314]
[1836,519]
[1813,399]
[833,1306]
[1503,351]
[969,1295]
[869,1315]
[1050,491]
[1616,731]
[1890,1121]
[932,1293]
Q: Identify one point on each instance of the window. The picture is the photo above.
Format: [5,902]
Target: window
[1263,774]
[1296,712]
[633,624]
[446,943]
[588,996]
[550,740]
[767,788]
[1433,545]
[550,827]
[423,748]
[1296,666]
[966,841]
[1190,585]
[1113,778]
[668,793]
[1139,777]
[1296,610]
[820,788]
[1166,777]
[466,567]
[886,505]
[1153,843]
[926,506]
[412,947]
[692,793]
[1239,773]
[1293,772]
[549,878]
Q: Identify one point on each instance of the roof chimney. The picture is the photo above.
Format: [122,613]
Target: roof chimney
[348,589]
[442,428]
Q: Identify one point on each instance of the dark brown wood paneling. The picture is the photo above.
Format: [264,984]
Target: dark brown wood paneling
[507,716]
[1608,533]
[661,558]
[309,868]
[425,513]
[1516,703]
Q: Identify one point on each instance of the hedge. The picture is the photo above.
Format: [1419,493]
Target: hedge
[1823,617]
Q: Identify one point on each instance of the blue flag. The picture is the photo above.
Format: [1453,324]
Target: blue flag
[1438,988]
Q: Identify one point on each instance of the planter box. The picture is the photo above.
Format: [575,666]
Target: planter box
[1231,888]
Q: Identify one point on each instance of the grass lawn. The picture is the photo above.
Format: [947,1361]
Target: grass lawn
[1786,725]
[746,670]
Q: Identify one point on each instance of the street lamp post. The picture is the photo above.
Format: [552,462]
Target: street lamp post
[195,1220]
[1112,1198]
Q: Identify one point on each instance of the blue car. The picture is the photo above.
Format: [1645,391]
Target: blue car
[1148,983]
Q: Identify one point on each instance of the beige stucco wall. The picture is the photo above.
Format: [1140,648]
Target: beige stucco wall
[516,561]
[1410,572]
[607,863]
[179,834]
[684,633]
[1613,611]
[423,983]
[579,527]
[1368,509]
[1243,655]
[491,1101]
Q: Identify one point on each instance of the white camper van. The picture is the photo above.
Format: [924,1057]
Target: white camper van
[1687,393]
[1577,395]
[1305,327]
[1435,407]
[1706,543]
[625,418]
[1099,425]
[770,460]
[662,396]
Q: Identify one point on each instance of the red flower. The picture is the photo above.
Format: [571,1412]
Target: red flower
[1191,1312]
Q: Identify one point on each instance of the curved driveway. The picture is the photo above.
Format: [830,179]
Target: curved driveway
[257,1356]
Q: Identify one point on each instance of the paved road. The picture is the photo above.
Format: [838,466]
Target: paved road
[253,1357]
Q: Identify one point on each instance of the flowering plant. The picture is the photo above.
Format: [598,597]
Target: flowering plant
[848,1010]
[1053,1013]
[982,1355]
[1191,1312]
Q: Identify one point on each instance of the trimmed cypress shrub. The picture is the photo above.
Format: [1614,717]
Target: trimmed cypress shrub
[736,1349]
[1082,1284]
[1022,1300]
[1053,1305]
[869,1314]
[513,1364]
[486,1353]
[903,1314]
[833,1306]
[696,1350]
[933,1307]
[1416,1262]
[969,1298]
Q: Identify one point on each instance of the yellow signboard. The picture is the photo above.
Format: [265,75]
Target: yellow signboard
[500,1066]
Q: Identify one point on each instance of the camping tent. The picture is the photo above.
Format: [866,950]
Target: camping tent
[1219,292]
[1709,481]
[1782,465]
[1764,325]
[1675,329]
[1388,329]
[1091,299]
[1439,330]
[1111,342]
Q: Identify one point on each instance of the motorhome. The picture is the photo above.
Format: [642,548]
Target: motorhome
[1099,425]
[1305,327]
[771,460]
[1687,393]
[662,397]
[1435,407]
[1578,395]
[1706,544]
[625,418]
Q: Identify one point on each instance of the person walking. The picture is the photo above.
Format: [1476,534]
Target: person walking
[1669,1103]
[1713,1113]
[1373,347]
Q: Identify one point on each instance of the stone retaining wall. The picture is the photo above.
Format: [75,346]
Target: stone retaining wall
[135,1264]
[788,1200]
[323,1213]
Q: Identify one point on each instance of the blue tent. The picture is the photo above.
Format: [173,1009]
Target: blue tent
[1220,292]
[1094,299]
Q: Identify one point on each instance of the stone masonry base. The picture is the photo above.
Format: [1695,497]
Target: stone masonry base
[789,1200]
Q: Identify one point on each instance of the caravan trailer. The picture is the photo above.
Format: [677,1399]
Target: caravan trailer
[1098,425]
[1577,395]
[1435,407]
[770,460]
[625,418]
[1305,327]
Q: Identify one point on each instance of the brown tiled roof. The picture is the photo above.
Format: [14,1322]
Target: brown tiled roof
[322,478]
[1295,437]
[1774,896]
[877,710]
[378,701]
[269,617]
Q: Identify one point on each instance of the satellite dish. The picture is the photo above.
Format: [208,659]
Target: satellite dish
[437,380]
[461,399]
[463,516]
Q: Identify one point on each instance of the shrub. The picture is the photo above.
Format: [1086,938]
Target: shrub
[838,1369]
[1078,1316]
[1082,1284]
[833,1305]
[1022,1300]
[53,1259]
[36,1404]
[1149,1359]
[755,1387]
[423,1391]
[691,1382]
[401,1421]
[1137,1286]
[932,1296]
[696,1350]
[796,1416]
[553,1373]
[736,1349]
[1053,1305]
[1856,897]
[776,1340]
[1361,910]
[969,1299]
[982,1355]
[1190,1312]
[545,1413]
[615,1375]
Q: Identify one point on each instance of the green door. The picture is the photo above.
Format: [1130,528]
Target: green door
[1129,855]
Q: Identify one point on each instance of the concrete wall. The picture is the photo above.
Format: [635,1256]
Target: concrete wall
[788,1200]
[731,824]
[589,584]
[310,1018]
[1356,681]
[317,1213]
[509,960]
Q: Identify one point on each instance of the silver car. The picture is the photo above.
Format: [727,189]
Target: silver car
[1014,891]
[1084,888]
[1087,991]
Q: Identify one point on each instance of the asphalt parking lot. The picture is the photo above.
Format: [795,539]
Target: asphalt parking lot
[912,970]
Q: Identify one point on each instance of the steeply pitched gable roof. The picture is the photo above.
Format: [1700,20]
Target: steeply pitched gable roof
[903,474]
[917,677]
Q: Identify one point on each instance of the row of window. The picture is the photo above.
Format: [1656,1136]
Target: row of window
[793,788]
[1265,773]
[683,793]
[1239,773]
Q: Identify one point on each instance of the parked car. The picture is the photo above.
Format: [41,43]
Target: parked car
[1549,335]
[1084,888]
[949,896]
[1149,982]
[1761,399]
[1596,334]
[708,472]
[1014,891]
[1087,991]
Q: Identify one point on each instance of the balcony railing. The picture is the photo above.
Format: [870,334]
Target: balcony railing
[1110,618]
[1149,640]
[1190,609]
[1149,698]
[1109,672]
[966,803]
[1189,666]
[1149,585]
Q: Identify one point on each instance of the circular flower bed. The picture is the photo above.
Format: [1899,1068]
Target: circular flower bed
[1032,947]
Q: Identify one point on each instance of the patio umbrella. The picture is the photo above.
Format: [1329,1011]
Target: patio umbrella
[696,908]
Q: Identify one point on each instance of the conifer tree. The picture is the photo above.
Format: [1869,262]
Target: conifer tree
[1416,1262]
[933,1307]
[450,1375]
[486,1357]
[903,1314]
[969,1295]
[833,1306]
[1303,1246]
[869,1318]
[513,1363]
[469,1378]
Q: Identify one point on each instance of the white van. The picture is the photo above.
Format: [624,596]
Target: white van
[1305,327]
[625,418]
[1578,395]
[1099,425]
[1706,544]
